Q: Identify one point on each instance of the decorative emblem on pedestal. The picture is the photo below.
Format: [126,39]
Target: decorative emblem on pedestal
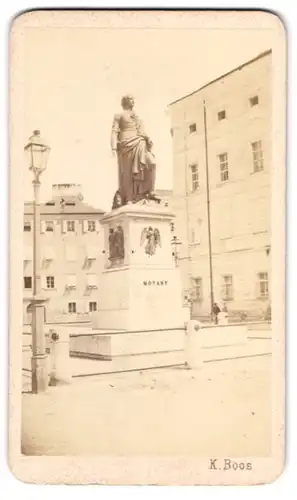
[151,238]
[116,244]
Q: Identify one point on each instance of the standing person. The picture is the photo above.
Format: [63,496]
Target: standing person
[216,310]
[136,161]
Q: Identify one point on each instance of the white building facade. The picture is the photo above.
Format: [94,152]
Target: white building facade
[224,129]
[71,253]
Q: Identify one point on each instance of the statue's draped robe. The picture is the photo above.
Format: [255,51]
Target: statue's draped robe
[136,162]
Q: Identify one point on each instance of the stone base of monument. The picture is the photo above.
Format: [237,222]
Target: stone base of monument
[140,299]
[130,351]
[140,286]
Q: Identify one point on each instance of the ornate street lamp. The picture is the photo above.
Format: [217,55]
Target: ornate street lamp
[175,242]
[37,152]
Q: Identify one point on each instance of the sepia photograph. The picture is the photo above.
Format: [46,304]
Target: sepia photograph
[147,247]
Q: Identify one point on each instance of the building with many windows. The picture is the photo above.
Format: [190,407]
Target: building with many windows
[221,137]
[71,253]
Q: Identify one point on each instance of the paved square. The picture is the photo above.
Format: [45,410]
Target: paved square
[222,410]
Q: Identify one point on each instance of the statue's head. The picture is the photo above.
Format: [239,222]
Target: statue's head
[127,101]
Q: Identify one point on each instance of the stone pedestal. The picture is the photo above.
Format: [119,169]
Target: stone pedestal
[223,318]
[39,362]
[60,363]
[140,286]
[193,345]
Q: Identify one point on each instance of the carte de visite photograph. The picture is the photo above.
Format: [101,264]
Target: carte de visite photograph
[147,208]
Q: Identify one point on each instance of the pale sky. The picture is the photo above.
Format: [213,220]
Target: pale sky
[74,80]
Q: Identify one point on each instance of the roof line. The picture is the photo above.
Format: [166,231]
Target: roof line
[67,213]
[238,68]
[28,206]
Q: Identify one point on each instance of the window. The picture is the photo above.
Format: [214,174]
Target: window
[224,172]
[258,160]
[227,287]
[195,233]
[92,306]
[91,226]
[72,307]
[71,253]
[70,226]
[195,177]
[198,232]
[254,101]
[263,284]
[50,282]
[91,253]
[27,226]
[49,225]
[27,254]
[192,128]
[222,115]
[49,254]
[71,281]
[91,280]
[27,282]
[197,282]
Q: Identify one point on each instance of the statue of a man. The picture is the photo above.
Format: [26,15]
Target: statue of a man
[136,161]
[116,244]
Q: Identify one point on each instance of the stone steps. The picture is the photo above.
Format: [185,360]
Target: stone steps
[251,348]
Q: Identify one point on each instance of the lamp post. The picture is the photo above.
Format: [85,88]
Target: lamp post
[208,215]
[175,242]
[37,152]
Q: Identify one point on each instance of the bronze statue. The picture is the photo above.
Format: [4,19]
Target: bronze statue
[111,244]
[116,244]
[151,238]
[136,161]
[119,243]
[117,201]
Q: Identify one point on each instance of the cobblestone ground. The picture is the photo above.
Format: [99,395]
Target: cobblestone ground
[222,410]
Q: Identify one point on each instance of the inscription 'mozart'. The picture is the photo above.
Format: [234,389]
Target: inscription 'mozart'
[158,283]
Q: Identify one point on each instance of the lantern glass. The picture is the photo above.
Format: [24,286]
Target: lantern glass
[175,241]
[37,152]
